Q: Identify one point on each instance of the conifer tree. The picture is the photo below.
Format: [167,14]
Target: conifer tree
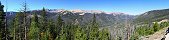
[43,20]
[60,29]
[119,38]
[15,27]
[34,30]
[156,26]
[43,25]
[104,34]
[21,29]
[0,37]
[94,30]
[80,34]
[84,35]
[62,35]
[46,35]
[51,29]
[70,31]
[24,23]
[2,23]
[59,25]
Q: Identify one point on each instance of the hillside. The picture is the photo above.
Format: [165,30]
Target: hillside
[156,36]
[152,25]
[151,16]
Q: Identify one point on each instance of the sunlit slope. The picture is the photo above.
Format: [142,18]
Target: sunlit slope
[151,16]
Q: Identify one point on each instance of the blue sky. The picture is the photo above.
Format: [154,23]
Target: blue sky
[133,7]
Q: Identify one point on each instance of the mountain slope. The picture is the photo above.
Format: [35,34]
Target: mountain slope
[151,16]
[156,36]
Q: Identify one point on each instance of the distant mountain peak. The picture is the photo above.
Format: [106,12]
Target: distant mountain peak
[75,11]
[81,12]
[115,13]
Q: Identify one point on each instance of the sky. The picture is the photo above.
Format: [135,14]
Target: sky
[133,7]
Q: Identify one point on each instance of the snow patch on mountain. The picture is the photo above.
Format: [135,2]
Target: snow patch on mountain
[81,12]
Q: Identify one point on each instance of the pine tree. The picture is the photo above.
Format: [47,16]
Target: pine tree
[70,31]
[135,36]
[16,27]
[21,30]
[59,25]
[0,37]
[60,22]
[24,10]
[43,20]
[46,35]
[62,35]
[60,29]
[104,34]
[51,29]
[2,22]
[80,34]
[119,38]
[156,26]
[94,29]
[43,25]
[34,30]
[84,35]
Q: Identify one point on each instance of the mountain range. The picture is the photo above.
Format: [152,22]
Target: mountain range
[152,16]
[117,22]
[84,16]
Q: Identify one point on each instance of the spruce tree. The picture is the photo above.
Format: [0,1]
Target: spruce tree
[71,31]
[0,37]
[45,35]
[84,35]
[62,34]
[25,25]
[43,20]
[48,34]
[59,25]
[80,34]
[43,24]
[104,34]
[34,30]
[119,38]
[60,29]
[93,35]
[51,29]
[156,26]
[21,30]
[2,23]
[15,27]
